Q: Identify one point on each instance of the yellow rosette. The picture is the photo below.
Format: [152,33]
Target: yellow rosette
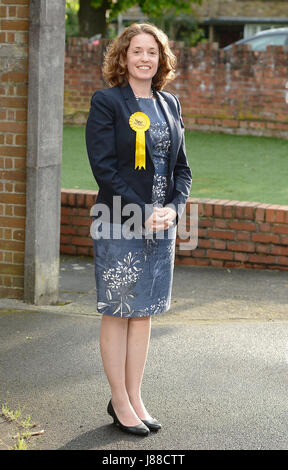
[140,123]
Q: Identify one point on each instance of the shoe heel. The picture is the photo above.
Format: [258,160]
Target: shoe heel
[140,430]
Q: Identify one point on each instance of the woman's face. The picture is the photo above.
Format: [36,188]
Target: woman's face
[142,58]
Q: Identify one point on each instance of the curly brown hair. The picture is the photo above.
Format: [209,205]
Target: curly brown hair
[114,67]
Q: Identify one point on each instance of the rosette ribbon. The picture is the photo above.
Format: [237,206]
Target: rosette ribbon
[140,123]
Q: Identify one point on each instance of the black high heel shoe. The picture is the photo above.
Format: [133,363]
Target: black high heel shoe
[139,430]
[152,424]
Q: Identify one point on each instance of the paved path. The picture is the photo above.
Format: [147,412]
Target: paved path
[216,375]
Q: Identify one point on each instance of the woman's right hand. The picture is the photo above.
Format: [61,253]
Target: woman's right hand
[158,220]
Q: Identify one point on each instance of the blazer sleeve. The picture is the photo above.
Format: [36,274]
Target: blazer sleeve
[182,174]
[101,149]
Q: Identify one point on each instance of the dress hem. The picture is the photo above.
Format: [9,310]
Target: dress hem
[136,316]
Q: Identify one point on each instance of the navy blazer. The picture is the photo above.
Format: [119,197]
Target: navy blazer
[111,143]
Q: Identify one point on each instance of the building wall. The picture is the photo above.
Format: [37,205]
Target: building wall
[242,91]
[243,8]
[14,25]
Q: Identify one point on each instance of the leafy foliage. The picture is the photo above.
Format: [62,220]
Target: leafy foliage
[149,7]
[175,17]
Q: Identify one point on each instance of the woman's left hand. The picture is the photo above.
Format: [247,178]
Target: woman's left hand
[169,214]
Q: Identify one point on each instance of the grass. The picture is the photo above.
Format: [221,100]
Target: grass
[23,425]
[224,166]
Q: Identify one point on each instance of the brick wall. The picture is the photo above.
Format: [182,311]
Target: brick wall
[82,77]
[234,234]
[14,25]
[243,92]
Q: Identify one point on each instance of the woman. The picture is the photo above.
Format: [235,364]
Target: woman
[136,149]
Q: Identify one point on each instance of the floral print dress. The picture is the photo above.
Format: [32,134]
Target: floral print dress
[134,277]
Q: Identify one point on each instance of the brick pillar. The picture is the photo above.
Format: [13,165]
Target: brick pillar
[14,26]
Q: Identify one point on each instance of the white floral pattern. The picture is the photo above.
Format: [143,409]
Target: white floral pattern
[134,277]
[159,189]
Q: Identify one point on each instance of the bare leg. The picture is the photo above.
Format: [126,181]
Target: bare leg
[113,346]
[138,338]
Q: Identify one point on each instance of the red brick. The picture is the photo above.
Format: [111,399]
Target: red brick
[11,102]
[11,12]
[243,236]
[217,263]
[83,212]
[12,222]
[206,223]
[265,227]
[11,293]
[71,199]
[83,251]
[248,226]
[19,163]
[185,252]
[221,234]
[219,254]
[228,211]
[23,12]
[283,240]
[14,25]
[281,216]
[241,246]
[82,241]
[208,210]
[12,198]
[3,13]
[19,211]
[219,244]
[263,259]
[19,127]
[263,248]
[241,257]
[12,175]
[219,208]
[197,253]
[191,261]
[65,220]
[264,238]
[68,249]
[271,213]
[232,264]
[259,214]
[68,230]
[12,245]
[13,151]
[249,210]
[83,231]
[280,229]
[279,250]
[15,2]
[14,77]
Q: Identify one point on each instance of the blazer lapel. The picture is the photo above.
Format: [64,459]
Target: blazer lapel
[133,107]
[171,123]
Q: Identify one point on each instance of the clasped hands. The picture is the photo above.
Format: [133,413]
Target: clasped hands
[161,219]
